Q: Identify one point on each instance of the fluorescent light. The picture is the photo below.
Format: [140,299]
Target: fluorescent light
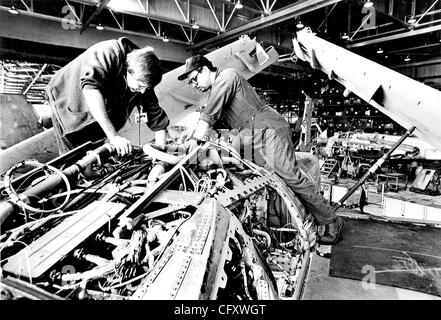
[238,5]
[368,4]
[99,27]
[12,10]
[194,25]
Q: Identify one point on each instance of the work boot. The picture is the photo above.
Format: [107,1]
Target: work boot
[332,232]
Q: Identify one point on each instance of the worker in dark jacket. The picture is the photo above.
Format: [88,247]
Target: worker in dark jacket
[92,97]
[234,104]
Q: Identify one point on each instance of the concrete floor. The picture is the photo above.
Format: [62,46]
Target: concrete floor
[320,286]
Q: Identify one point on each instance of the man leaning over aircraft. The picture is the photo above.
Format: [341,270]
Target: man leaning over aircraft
[93,96]
[234,104]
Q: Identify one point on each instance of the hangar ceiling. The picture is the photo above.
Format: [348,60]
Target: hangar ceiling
[55,31]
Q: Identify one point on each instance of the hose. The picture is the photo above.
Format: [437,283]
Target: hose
[160,155]
[20,200]
[263,234]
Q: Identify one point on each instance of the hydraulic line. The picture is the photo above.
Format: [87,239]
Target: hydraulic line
[374,168]
[46,186]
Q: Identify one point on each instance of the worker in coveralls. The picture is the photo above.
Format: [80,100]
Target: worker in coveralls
[93,96]
[234,104]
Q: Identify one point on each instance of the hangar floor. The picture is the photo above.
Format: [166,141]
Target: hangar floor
[320,285]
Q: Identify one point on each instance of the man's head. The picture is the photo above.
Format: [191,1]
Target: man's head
[144,70]
[198,72]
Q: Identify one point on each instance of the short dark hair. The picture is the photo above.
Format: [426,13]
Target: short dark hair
[145,65]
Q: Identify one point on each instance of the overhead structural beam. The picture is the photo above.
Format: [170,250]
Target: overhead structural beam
[116,20]
[418,64]
[427,11]
[229,18]
[272,5]
[276,17]
[327,16]
[393,18]
[72,10]
[214,15]
[416,48]
[100,8]
[157,32]
[391,7]
[35,79]
[388,16]
[186,34]
[24,3]
[267,7]
[402,35]
[45,29]
[141,9]
[365,19]
[182,12]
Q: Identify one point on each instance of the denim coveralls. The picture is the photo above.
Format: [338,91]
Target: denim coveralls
[234,104]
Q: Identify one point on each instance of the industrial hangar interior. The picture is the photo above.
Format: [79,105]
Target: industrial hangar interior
[349,91]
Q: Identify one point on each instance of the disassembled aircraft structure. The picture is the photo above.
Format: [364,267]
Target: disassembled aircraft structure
[374,145]
[389,91]
[213,226]
[202,225]
[171,224]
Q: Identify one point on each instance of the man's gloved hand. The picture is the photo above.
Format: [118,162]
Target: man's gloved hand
[122,145]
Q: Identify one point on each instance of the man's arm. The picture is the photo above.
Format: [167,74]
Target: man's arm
[160,137]
[201,129]
[199,134]
[97,108]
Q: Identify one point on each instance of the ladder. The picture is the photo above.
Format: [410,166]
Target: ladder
[328,166]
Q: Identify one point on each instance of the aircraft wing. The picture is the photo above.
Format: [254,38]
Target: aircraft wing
[406,101]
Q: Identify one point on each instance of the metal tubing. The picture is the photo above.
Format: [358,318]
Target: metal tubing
[46,186]
[374,168]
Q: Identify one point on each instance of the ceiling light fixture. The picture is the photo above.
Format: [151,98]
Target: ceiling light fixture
[12,10]
[300,25]
[411,20]
[368,4]
[345,36]
[195,25]
[407,59]
[165,39]
[238,5]
[100,27]
[379,50]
